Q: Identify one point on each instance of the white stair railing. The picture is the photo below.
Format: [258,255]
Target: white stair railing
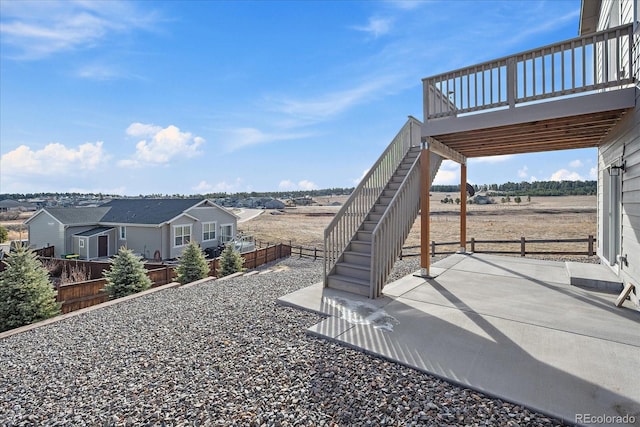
[393,228]
[350,217]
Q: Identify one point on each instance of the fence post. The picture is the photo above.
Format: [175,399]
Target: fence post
[522,246]
[433,248]
[473,244]
[590,249]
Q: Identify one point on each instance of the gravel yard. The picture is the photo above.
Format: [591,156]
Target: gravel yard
[223,353]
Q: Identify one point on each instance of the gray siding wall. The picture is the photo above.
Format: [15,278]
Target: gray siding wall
[176,251]
[44,230]
[624,143]
[143,240]
[210,214]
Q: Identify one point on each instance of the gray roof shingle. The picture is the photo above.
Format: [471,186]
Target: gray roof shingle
[73,216]
[145,211]
[125,211]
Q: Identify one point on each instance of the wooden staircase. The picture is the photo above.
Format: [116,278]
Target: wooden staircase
[377,218]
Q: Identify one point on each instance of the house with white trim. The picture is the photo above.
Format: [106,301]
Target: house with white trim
[154,228]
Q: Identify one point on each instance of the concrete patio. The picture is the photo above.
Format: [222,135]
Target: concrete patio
[513,328]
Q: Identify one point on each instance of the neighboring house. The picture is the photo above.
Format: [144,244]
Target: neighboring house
[10,205]
[154,228]
[274,204]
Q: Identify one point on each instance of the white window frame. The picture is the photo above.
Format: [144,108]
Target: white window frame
[185,238]
[212,229]
[81,243]
[123,232]
[224,238]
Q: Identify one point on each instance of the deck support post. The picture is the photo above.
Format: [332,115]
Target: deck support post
[425,187]
[463,208]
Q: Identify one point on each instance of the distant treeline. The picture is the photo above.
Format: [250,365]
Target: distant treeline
[536,188]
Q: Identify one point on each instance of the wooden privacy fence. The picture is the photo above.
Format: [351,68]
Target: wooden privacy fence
[75,296]
[522,250]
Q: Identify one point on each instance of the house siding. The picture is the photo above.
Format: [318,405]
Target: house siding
[50,232]
[623,144]
[143,240]
[210,214]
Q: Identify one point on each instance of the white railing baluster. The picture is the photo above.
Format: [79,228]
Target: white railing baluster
[351,215]
[569,74]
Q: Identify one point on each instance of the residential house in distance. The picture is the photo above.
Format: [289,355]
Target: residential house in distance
[154,228]
[577,93]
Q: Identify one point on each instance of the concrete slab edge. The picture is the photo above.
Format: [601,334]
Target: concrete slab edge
[109,303]
[285,303]
[441,377]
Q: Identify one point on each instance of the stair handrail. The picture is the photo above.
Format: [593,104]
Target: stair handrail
[395,225]
[348,219]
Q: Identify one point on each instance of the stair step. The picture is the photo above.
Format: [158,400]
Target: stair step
[384,200]
[360,246]
[368,226]
[374,216]
[363,236]
[359,258]
[378,208]
[348,284]
[355,271]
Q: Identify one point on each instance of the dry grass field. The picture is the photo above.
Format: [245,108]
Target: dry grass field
[15,227]
[567,217]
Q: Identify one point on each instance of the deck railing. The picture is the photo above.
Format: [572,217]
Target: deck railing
[393,228]
[347,221]
[577,66]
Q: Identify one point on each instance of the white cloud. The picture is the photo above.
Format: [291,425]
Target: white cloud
[161,145]
[576,164]
[287,185]
[492,159]
[524,172]
[357,180]
[448,174]
[307,185]
[235,139]
[37,29]
[593,173]
[220,187]
[317,108]
[565,175]
[54,159]
[376,26]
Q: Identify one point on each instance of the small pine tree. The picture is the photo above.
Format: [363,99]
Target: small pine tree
[26,295]
[193,264]
[4,234]
[230,261]
[126,276]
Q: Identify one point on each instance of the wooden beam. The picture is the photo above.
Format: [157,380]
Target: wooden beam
[425,187]
[447,152]
[463,208]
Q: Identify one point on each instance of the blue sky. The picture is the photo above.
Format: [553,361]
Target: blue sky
[193,97]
